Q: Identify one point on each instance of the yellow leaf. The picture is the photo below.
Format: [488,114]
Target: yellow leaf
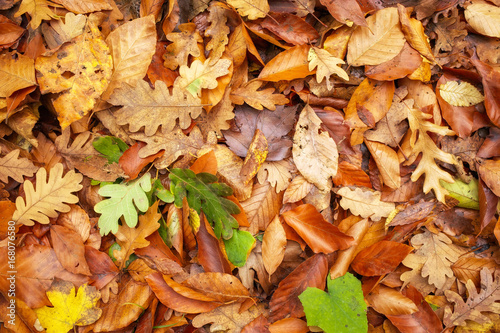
[273,245]
[132,46]
[297,190]
[365,203]
[218,31]
[184,43]
[257,99]
[69,310]
[327,65]
[58,32]
[17,71]
[288,65]
[143,106]
[378,42]
[314,152]
[278,173]
[48,197]
[83,7]
[38,9]
[253,9]
[484,18]
[387,162]
[14,167]
[415,35]
[460,93]
[202,75]
[79,71]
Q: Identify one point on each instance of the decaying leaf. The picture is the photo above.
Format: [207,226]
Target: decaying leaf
[48,197]
[11,165]
[228,317]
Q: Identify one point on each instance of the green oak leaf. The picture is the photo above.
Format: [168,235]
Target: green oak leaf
[204,193]
[239,246]
[112,148]
[466,194]
[341,310]
[121,203]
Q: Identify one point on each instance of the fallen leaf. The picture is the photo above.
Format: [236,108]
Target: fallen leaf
[288,65]
[184,43]
[18,71]
[380,258]
[201,75]
[326,65]
[257,99]
[57,32]
[483,18]
[390,302]
[253,10]
[365,203]
[460,93]
[345,11]
[80,7]
[273,245]
[69,310]
[69,249]
[220,286]
[38,9]
[15,167]
[292,29]
[298,189]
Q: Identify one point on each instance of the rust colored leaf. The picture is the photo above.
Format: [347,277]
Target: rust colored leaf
[209,253]
[219,286]
[288,65]
[380,258]
[101,266]
[273,245]
[320,235]
[69,249]
[390,302]
[205,163]
[292,29]
[349,174]
[260,324]
[345,10]
[285,301]
[405,63]
[491,86]
[288,325]
[132,164]
[262,207]
[489,170]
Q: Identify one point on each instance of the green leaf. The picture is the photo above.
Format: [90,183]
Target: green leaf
[203,193]
[160,192]
[466,194]
[121,203]
[110,147]
[341,310]
[239,246]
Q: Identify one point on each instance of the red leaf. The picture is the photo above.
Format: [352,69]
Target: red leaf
[157,71]
[320,235]
[491,86]
[292,29]
[380,258]
[345,9]
[258,325]
[285,301]
[132,164]
[209,253]
[487,204]
[101,266]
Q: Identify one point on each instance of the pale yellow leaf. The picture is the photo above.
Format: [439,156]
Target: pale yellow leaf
[38,9]
[218,31]
[387,163]
[314,152]
[273,245]
[484,18]
[326,64]
[378,42]
[278,173]
[143,106]
[297,190]
[58,32]
[49,196]
[253,9]
[365,203]
[132,46]
[460,93]
[201,75]
[15,167]
[17,71]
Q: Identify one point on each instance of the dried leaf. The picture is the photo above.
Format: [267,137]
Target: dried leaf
[365,203]
[390,302]
[292,29]
[219,286]
[273,245]
[484,18]
[326,65]
[460,93]
[83,7]
[57,32]
[218,31]
[345,11]
[18,71]
[184,43]
[380,258]
[297,190]
[253,9]
[288,65]
[229,318]
[69,249]
[259,100]
[48,197]
[15,167]
[38,10]
[202,75]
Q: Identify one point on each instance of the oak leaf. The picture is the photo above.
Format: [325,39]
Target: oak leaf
[38,10]
[18,71]
[487,299]
[132,47]
[438,254]
[278,173]
[326,65]
[143,106]
[484,18]
[460,93]
[253,9]
[131,238]
[365,203]
[121,203]
[257,99]
[57,32]
[69,309]
[218,31]
[379,41]
[48,197]
[314,152]
[88,61]
[15,167]
[202,75]
[184,43]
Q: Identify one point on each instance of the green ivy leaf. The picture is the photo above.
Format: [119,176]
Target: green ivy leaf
[341,310]
[466,194]
[203,193]
[239,246]
[110,147]
[121,203]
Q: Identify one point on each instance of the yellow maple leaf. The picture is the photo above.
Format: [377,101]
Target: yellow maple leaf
[38,9]
[69,310]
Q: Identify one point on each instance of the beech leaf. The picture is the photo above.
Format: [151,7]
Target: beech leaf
[340,310]
[484,18]
[17,72]
[460,93]
[466,194]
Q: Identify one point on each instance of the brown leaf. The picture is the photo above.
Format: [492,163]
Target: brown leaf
[69,249]
[468,268]
[289,325]
[159,255]
[189,301]
[262,206]
[37,9]
[256,155]
[349,174]
[219,286]
[259,324]
[403,64]
[491,86]
[380,258]
[365,203]
[209,253]
[390,302]
[15,167]
[80,7]
[298,189]
[285,300]
[157,71]
[132,163]
[18,71]
[151,7]
[218,31]
[320,235]
[387,162]
[257,99]
[273,245]
[9,31]
[292,29]
[101,266]
[184,43]
[345,10]
[489,170]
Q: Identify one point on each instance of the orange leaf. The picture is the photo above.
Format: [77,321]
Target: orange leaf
[285,301]
[288,65]
[380,258]
[219,286]
[132,164]
[210,255]
[288,325]
[273,245]
[205,163]
[389,301]
[69,249]
[320,235]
